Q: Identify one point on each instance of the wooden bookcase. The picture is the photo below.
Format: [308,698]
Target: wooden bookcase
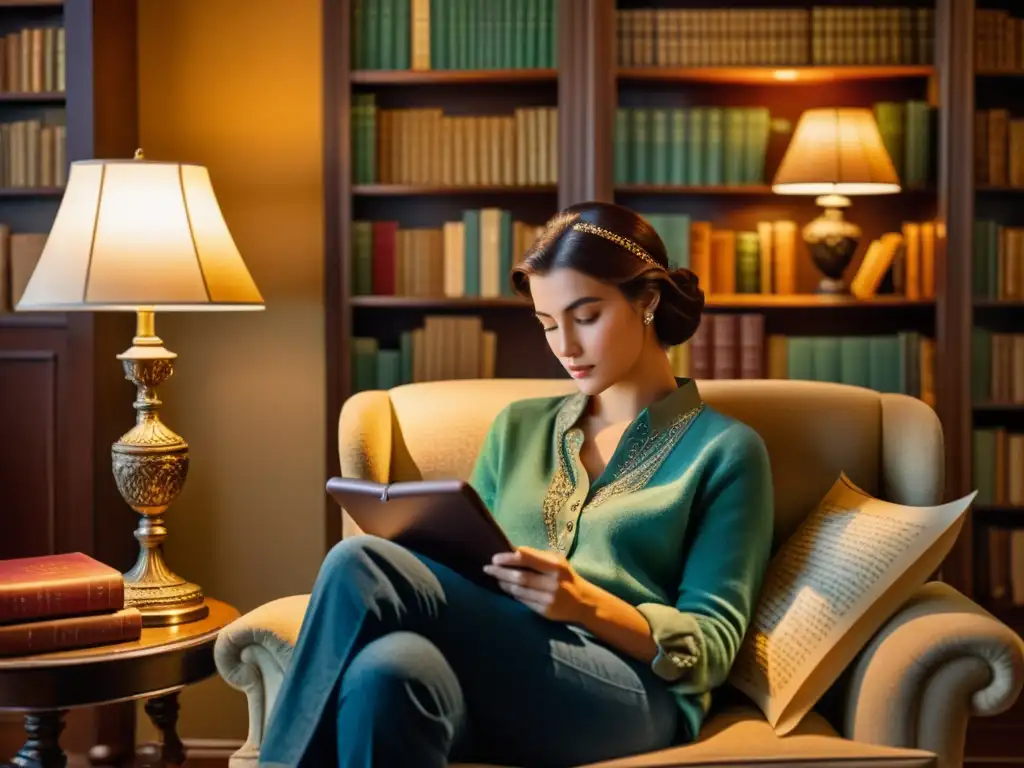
[588,85]
[64,398]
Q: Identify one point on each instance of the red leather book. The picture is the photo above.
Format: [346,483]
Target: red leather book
[54,586]
[65,634]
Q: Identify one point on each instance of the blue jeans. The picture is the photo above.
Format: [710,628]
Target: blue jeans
[403,663]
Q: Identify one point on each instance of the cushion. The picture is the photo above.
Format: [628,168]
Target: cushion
[740,736]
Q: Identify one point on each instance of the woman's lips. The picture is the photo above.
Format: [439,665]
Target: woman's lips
[579,371]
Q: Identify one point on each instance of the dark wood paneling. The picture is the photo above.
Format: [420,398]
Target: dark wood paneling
[28,451]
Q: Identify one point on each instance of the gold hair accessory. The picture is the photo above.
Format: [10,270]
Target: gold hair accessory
[629,245]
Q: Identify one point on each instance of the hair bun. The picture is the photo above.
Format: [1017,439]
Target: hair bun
[687,282]
[679,312]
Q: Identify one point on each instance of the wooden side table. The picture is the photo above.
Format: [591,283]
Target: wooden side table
[155,667]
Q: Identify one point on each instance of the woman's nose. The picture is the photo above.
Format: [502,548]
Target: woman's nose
[568,345]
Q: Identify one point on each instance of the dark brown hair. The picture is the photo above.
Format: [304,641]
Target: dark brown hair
[614,260]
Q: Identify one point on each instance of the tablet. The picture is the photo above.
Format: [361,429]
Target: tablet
[445,520]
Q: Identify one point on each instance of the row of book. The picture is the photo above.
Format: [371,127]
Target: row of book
[998,41]
[726,346]
[19,254]
[998,466]
[444,347]
[469,257]
[1006,560]
[32,60]
[998,149]
[454,34]
[671,37]
[62,602]
[698,146]
[425,146]
[33,153]
[997,366]
[997,266]
[908,131]
[900,263]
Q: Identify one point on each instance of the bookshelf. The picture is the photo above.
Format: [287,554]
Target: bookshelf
[64,400]
[617,60]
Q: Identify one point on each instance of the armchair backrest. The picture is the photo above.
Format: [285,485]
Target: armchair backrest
[888,444]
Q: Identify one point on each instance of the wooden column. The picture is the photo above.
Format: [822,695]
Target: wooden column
[954,50]
[587,99]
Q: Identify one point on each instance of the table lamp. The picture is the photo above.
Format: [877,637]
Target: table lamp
[835,153]
[140,236]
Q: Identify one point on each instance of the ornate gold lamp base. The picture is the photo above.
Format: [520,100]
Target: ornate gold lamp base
[150,464]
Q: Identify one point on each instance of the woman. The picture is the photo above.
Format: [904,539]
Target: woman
[642,521]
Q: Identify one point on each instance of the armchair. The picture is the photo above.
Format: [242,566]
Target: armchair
[906,698]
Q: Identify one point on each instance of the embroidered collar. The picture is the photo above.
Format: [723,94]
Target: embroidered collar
[657,416]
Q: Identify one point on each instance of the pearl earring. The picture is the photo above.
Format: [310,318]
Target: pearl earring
[648,318]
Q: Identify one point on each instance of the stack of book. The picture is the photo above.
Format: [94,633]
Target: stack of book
[62,602]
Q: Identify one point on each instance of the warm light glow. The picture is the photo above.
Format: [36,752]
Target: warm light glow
[785,74]
[836,151]
[138,233]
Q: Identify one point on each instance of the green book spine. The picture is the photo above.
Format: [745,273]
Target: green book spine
[981,365]
[713,146]
[910,362]
[474,48]
[519,31]
[456,34]
[992,258]
[356,35]
[364,364]
[827,363]
[983,460]
[532,33]
[405,349]
[505,255]
[471,250]
[696,175]
[677,147]
[621,146]
[403,34]
[640,143]
[735,139]
[855,361]
[679,232]
[545,38]
[387,30]
[890,118]
[755,144]
[497,16]
[371,33]
[659,146]
[438,41]
[389,368]
[800,358]
[552,41]
[885,363]
[509,9]
[748,262]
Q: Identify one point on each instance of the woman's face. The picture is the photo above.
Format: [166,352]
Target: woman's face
[593,330]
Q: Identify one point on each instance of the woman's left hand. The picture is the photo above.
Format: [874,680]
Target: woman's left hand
[550,587]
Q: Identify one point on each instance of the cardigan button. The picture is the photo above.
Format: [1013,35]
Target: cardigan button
[568,526]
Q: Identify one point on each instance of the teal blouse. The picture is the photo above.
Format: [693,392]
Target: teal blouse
[679,523]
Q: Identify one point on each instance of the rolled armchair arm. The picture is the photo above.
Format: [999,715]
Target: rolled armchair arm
[940,660]
[252,654]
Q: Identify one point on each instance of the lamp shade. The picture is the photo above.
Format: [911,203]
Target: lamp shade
[836,151]
[135,233]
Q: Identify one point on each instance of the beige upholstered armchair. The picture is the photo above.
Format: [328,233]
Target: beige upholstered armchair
[907,697]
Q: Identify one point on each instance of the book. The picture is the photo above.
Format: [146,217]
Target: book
[70,632]
[831,586]
[54,586]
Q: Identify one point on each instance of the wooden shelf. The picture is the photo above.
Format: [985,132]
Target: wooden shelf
[394,190]
[31,191]
[1003,515]
[673,189]
[764,302]
[998,407]
[450,76]
[31,96]
[779,75]
[33,320]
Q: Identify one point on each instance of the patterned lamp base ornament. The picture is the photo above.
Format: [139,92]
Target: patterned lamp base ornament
[832,241]
[150,463]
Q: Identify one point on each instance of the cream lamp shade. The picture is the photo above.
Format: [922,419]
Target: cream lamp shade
[136,234]
[836,152]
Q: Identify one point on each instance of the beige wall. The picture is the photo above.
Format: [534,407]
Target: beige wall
[236,85]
